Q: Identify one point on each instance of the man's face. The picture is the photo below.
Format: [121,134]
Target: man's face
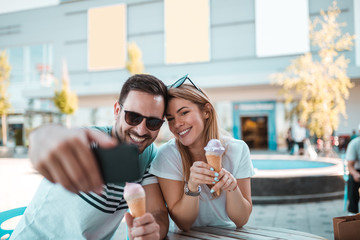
[142,103]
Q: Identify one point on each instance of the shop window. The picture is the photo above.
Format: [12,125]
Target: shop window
[255,131]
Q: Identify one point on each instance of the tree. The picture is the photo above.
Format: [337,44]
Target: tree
[134,64]
[5,105]
[65,99]
[316,87]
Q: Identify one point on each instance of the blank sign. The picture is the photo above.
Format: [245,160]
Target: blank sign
[107,37]
[282,27]
[187,31]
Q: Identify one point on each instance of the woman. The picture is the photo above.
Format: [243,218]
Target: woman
[185,178]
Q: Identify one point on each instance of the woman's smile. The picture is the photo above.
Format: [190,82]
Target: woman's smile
[184,133]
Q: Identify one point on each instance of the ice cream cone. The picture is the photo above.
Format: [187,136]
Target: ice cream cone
[213,153]
[137,207]
[214,161]
[134,195]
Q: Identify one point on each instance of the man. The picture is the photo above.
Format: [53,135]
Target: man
[353,158]
[89,209]
[353,135]
[299,135]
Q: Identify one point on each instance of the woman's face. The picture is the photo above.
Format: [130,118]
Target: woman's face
[186,121]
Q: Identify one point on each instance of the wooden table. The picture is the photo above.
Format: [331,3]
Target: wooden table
[247,232]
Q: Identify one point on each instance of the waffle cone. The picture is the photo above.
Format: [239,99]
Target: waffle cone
[215,162]
[137,207]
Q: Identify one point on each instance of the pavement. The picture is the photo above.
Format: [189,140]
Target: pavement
[19,181]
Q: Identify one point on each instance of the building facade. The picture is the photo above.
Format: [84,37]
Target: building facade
[224,45]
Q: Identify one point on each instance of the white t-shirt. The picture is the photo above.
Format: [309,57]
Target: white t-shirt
[236,159]
[298,133]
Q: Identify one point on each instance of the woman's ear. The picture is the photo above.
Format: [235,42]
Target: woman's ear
[207,110]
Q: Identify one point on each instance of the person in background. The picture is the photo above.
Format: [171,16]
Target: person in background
[189,184]
[289,141]
[353,135]
[82,206]
[299,135]
[353,158]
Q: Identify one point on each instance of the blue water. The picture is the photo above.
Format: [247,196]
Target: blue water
[288,164]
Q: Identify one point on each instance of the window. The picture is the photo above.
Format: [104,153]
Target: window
[30,63]
[106,38]
[17,63]
[281,27]
[187,31]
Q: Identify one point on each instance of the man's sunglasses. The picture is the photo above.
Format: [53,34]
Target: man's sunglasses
[134,119]
[181,81]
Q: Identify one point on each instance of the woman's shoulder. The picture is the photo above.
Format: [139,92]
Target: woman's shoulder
[167,163]
[168,150]
[235,147]
[230,143]
[168,146]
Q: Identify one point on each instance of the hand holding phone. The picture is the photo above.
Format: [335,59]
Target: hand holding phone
[119,164]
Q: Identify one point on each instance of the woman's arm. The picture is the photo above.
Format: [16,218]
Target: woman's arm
[238,202]
[183,209]
[238,197]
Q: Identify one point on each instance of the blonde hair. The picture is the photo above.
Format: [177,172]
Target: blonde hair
[211,128]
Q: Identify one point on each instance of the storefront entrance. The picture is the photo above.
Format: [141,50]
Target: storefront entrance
[254,122]
[254,131]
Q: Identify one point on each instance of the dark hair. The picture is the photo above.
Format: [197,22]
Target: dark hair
[144,83]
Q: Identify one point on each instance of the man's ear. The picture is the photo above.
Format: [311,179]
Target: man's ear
[117,109]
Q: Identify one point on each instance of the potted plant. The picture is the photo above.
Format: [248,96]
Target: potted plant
[65,99]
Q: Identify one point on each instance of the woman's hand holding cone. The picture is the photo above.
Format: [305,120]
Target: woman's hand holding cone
[227,181]
[201,173]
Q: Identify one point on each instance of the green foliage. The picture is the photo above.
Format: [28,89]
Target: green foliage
[315,88]
[4,83]
[134,64]
[65,99]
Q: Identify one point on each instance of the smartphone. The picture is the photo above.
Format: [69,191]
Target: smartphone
[118,164]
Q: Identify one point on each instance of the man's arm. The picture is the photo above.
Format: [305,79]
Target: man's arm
[64,156]
[353,171]
[155,223]
[352,157]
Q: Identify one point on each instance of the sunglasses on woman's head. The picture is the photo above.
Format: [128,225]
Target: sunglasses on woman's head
[181,81]
[134,119]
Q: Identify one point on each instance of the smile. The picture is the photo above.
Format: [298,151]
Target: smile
[137,139]
[184,132]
